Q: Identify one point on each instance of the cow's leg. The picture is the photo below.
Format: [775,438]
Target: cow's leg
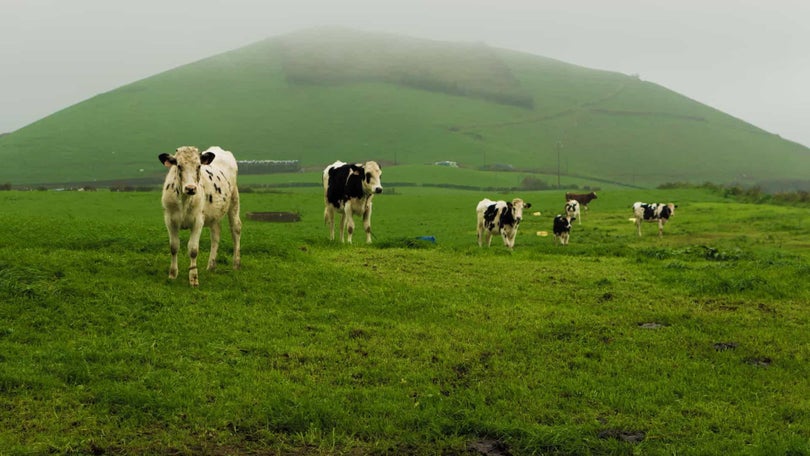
[348,223]
[660,227]
[367,222]
[342,227]
[193,251]
[489,238]
[480,234]
[510,241]
[329,220]
[236,234]
[174,246]
[216,234]
[507,239]
[638,226]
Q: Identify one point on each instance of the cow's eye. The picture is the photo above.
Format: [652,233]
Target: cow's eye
[368,178]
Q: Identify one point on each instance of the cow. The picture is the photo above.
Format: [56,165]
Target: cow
[500,217]
[199,189]
[349,188]
[582,198]
[572,210]
[562,228]
[653,212]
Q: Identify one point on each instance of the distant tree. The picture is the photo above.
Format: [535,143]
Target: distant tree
[533,183]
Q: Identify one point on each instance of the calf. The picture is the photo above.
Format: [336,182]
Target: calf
[572,210]
[562,228]
[349,188]
[198,191]
[499,217]
[582,198]
[653,212]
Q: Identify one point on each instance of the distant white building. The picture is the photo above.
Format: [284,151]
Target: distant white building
[451,164]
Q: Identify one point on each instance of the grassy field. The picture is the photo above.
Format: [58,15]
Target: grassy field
[694,343]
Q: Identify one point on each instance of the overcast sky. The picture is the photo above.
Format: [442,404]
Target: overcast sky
[749,58]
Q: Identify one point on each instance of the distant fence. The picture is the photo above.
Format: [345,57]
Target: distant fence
[268,166]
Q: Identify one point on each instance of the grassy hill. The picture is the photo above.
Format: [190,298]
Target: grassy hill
[327,94]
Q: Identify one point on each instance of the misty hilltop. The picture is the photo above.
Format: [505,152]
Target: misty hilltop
[324,94]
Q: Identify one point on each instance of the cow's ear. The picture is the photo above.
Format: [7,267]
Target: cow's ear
[357,170]
[207,158]
[167,160]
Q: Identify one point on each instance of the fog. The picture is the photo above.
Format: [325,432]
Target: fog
[747,58]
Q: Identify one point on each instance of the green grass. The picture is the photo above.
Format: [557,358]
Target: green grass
[400,100]
[404,347]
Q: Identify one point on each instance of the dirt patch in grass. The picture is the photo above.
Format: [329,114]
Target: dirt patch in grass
[760,361]
[489,448]
[723,346]
[652,325]
[275,217]
[623,435]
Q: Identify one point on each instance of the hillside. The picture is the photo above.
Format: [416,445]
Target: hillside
[327,94]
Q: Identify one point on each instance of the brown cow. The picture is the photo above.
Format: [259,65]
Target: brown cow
[582,198]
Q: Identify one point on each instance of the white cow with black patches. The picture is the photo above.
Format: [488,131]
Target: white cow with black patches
[499,217]
[200,188]
[572,210]
[653,212]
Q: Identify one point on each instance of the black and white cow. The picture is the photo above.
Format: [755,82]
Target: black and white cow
[653,212]
[499,217]
[349,188]
[562,228]
[572,210]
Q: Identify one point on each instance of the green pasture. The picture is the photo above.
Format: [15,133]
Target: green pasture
[693,343]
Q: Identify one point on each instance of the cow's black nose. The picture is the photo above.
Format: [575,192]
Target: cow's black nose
[378,190]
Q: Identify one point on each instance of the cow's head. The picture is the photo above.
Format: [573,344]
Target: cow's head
[667,210]
[186,162]
[517,208]
[371,178]
[592,195]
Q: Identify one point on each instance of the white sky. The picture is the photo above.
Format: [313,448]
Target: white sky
[749,58]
